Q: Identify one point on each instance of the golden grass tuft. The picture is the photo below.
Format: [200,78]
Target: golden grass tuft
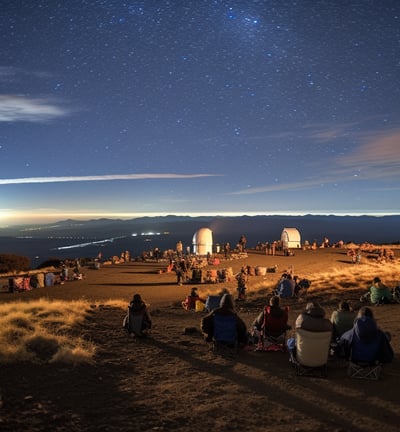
[42,331]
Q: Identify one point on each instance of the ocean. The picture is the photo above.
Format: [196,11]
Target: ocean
[86,239]
[39,250]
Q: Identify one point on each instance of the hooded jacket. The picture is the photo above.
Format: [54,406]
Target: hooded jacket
[313,319]
[365,342]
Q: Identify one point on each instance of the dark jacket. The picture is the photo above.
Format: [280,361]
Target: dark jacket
[365,342]
[207,325]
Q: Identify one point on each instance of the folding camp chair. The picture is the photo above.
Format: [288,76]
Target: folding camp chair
[310,355]
[273,332]
[212,302]
[361,370]
[225,341]
[363,362]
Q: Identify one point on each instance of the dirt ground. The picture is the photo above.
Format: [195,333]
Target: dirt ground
[171,381]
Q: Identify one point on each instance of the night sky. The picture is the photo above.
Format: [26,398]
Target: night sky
[120,108]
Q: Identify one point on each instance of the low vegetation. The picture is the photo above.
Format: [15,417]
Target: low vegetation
[42,331]
[13,263]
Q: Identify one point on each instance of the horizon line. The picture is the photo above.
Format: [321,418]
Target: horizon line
[46,218]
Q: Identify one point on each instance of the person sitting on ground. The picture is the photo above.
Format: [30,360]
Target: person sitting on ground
[272,321]
[227,307]
[190,301]
[138,320]
[285,288]
[313,319]
[342,319]
[300,286]
[365,342]
[379,293]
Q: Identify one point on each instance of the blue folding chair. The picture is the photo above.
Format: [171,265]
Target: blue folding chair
[225,335]
[212,302]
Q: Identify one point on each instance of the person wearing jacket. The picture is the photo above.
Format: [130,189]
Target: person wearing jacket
[365,342]
[313,319]
[227,307]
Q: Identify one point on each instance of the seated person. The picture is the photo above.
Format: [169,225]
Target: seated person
[311,350]
[380,293]
[138,319]
[227,308]
[300,286]
[365,342]
[190,301]
[272,321]
[285,288]
[313,319]
[213,301]
[342,319]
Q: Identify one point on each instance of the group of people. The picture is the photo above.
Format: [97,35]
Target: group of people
[352,335]
[291,286]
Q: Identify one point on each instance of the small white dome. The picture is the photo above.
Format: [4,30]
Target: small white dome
[202,241]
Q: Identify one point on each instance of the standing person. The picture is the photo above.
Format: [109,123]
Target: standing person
[179,248]
[184,268]
[241,287]
[179,272]
[242,243]
[227,250]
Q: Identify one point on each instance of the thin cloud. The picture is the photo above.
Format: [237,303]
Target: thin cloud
[378,158]
[379,151]
[112,177]
[14,108]
[276,187]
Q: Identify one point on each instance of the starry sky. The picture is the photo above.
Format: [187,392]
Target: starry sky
[117,108]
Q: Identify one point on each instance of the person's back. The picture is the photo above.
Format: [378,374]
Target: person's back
[313,319]
[286,287]
[275,318]
[227,309]
[342,319]
[139,318]
[365,342]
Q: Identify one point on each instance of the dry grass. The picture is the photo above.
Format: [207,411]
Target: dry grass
[40,331]
[352,278]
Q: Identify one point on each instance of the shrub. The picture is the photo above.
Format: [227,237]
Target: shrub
[10,263]
[51,262]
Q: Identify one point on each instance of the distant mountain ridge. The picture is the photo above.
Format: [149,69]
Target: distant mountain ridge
[358,229]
